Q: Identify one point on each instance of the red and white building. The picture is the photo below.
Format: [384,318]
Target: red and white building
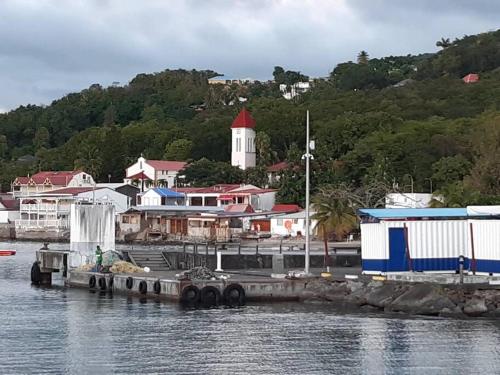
[243,140]
[149,173]
[42,182]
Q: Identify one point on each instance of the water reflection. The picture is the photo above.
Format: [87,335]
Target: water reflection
[59,330]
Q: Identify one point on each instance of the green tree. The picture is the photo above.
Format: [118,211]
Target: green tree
[3,146]
[443,43]
[180,149]
[265,154]
[206,172]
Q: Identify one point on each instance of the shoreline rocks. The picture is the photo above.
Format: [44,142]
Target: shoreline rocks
[457,301]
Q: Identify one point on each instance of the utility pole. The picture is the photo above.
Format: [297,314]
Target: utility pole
[307,156]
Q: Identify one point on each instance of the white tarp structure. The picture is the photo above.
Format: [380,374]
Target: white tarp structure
[91,225]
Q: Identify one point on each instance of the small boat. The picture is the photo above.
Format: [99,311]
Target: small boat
[6,253]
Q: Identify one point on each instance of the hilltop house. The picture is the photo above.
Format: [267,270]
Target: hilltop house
[148,173]
[47,181]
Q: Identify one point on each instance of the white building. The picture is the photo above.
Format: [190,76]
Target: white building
[408,200]
[291,91]
[292,224]
[161,197]
[153,172]
[243,140]
[50,180]
[51,210]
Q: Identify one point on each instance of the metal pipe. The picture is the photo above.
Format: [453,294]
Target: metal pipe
[307,156]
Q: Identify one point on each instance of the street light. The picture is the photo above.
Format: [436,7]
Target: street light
[308,156]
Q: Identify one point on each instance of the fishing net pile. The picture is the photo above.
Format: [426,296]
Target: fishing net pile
[125,267]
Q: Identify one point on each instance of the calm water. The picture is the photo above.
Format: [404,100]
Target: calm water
[60,330]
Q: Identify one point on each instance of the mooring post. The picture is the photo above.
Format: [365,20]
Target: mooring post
[461,261]
[281,246]
[219,261]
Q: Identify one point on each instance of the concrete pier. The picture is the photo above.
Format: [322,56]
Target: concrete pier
[256,288]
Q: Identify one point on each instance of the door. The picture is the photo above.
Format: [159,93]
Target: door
[397,250]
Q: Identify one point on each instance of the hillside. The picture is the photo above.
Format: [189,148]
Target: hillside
[433,126]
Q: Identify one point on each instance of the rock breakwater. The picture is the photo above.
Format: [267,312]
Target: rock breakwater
[410,298]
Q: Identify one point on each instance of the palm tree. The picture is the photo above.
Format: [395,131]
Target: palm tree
[363,57]
[334,216]
[443,43]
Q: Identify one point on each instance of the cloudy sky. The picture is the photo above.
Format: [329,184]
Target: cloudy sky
[52,47]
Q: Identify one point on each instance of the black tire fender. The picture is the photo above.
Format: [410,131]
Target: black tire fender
[92,282]
[157,287]
[210,296]
[36,274]
[234,295]
[143,287]
[129,283]
[190,295]
[102,283]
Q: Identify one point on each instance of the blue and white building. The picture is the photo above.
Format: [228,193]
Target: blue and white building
[430,239]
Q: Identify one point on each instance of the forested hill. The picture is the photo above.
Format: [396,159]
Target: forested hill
[373,119]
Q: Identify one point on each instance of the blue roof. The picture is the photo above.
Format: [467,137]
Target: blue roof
[401,213]
[167,193]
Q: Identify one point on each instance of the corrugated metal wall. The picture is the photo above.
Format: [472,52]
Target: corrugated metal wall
[373,241]
[486,239]
[434,245]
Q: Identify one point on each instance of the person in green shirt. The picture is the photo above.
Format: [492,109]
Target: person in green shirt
[98,253]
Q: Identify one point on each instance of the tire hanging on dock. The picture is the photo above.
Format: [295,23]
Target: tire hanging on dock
[210,296]
[36,274]
[143,287]
[190,295]
[157,287]
[92,282]
[234,295]
[129,283]
[102,283]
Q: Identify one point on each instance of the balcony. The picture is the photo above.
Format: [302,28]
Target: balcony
[44,207]
[42,224]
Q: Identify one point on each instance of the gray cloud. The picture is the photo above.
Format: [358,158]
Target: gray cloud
[52,47]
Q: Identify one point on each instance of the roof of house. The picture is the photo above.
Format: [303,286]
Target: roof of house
[61,178]
[278,167]
[242,208]
[140,176]
[10,204]
[403,213]
[215,189]
[243,120]
[167,165]
[295,215]
[72,190]
[471,78]
[286,208]
[167,193]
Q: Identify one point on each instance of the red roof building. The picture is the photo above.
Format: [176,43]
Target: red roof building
[50,180]
[471,78]
[243,120]
[156,172]
[278,167]
[239,208]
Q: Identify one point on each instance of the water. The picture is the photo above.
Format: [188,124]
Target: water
[57,330]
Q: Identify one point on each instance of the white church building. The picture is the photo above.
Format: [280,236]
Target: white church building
[243,140]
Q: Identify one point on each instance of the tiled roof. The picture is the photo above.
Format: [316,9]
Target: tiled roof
[239,208]
[287,208]
[140,176]
[167,165]
[59,178]
[471,78]
[243,120]
[278,167]
[10,204]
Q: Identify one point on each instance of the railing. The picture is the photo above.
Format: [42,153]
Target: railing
[42,224]
[45,207]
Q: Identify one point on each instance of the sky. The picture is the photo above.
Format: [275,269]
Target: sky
[49,48]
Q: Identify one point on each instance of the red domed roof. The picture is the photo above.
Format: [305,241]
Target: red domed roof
[243,120]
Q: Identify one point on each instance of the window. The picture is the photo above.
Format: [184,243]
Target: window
[125,219]
[295,221]
[238,144]
[280,222]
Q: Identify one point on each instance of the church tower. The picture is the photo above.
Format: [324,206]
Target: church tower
[243,140]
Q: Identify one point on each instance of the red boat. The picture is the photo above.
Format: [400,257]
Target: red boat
[6,253]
